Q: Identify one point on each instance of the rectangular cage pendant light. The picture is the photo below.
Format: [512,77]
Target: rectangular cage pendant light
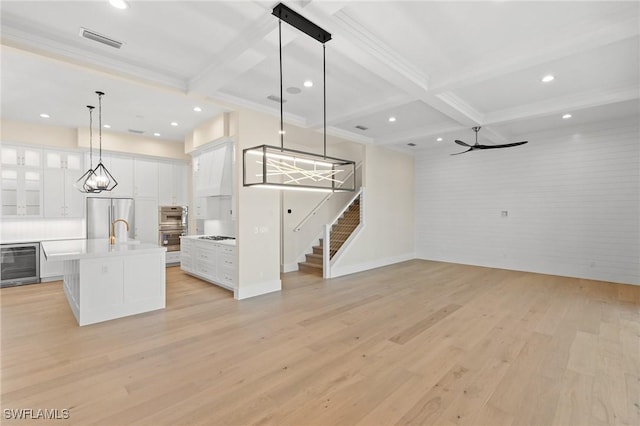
[276,167]
[281,168]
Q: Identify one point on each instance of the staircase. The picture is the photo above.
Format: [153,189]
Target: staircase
[340,232]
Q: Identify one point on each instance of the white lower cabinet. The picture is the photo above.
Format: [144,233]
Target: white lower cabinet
[172,258]
[212,262]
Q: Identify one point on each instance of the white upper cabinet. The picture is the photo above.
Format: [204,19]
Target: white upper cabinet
[21,181]
[145,178]
[61,171]
[213,171]
[172,184]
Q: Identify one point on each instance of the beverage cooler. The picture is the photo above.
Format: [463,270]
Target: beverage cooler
[20,264]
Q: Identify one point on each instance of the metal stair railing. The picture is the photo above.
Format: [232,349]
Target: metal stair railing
[327,258]
[315,210]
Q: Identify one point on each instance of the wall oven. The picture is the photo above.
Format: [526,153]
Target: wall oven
[20,264]
[172,222]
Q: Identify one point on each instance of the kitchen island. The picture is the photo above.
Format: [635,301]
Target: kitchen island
[104,281]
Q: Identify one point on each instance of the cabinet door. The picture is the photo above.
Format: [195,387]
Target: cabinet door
[145,178]
[180,184]
[10,200]
[165,184]
[146,220]
[54,192]
[122,170]
[201,208]
[73,199]
[32,193]
[18,156]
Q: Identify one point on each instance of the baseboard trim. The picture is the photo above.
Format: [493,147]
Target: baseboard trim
[338,271]
[257,289]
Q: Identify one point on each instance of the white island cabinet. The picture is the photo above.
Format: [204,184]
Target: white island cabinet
[214,262]
[104,282]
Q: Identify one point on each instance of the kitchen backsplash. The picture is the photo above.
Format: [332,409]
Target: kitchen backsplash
[220,227]
[16,230]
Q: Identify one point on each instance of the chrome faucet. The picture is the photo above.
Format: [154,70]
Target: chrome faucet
[112,234]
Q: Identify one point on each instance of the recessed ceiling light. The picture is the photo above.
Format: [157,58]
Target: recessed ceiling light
[118,4]
[566,116]
[547,78]
[308,83]
[392,119]
[174,124]
[44,115]
[156,134]
[439,140]
[197,109]
[107,126]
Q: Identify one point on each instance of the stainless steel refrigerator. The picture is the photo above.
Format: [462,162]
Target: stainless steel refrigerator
[101,212]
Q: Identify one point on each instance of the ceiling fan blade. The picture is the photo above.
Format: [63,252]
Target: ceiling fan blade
[462,143]
[506,145]
[458,153]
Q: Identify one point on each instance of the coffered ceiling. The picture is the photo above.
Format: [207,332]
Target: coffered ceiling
[439,68]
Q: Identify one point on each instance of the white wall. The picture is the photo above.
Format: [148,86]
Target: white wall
[388,233]
[572,202]
[258,214]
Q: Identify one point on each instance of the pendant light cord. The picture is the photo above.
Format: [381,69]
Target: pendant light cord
[324,95]
[100,121]
[281,99]
[90,136]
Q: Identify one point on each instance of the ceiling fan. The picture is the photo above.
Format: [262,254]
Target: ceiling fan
[478,146]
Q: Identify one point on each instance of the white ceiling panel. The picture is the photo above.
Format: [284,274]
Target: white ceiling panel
[606,67]
[63,90]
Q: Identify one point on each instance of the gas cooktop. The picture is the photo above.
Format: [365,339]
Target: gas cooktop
[215,237]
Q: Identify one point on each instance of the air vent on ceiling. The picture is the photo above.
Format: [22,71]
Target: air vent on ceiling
[92,35]
[275,98]
[137,132]
[361,127]
[411,144]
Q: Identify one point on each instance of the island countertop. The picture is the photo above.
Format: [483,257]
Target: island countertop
[94,248]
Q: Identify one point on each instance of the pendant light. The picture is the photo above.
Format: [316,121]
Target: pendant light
[104,180]
[87,182]
[269,166]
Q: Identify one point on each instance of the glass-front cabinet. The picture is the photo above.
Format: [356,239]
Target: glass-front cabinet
[61,198]
[21,181]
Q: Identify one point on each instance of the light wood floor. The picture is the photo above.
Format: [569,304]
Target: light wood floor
[414,343]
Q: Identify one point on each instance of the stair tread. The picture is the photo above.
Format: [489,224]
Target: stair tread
[311,265]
